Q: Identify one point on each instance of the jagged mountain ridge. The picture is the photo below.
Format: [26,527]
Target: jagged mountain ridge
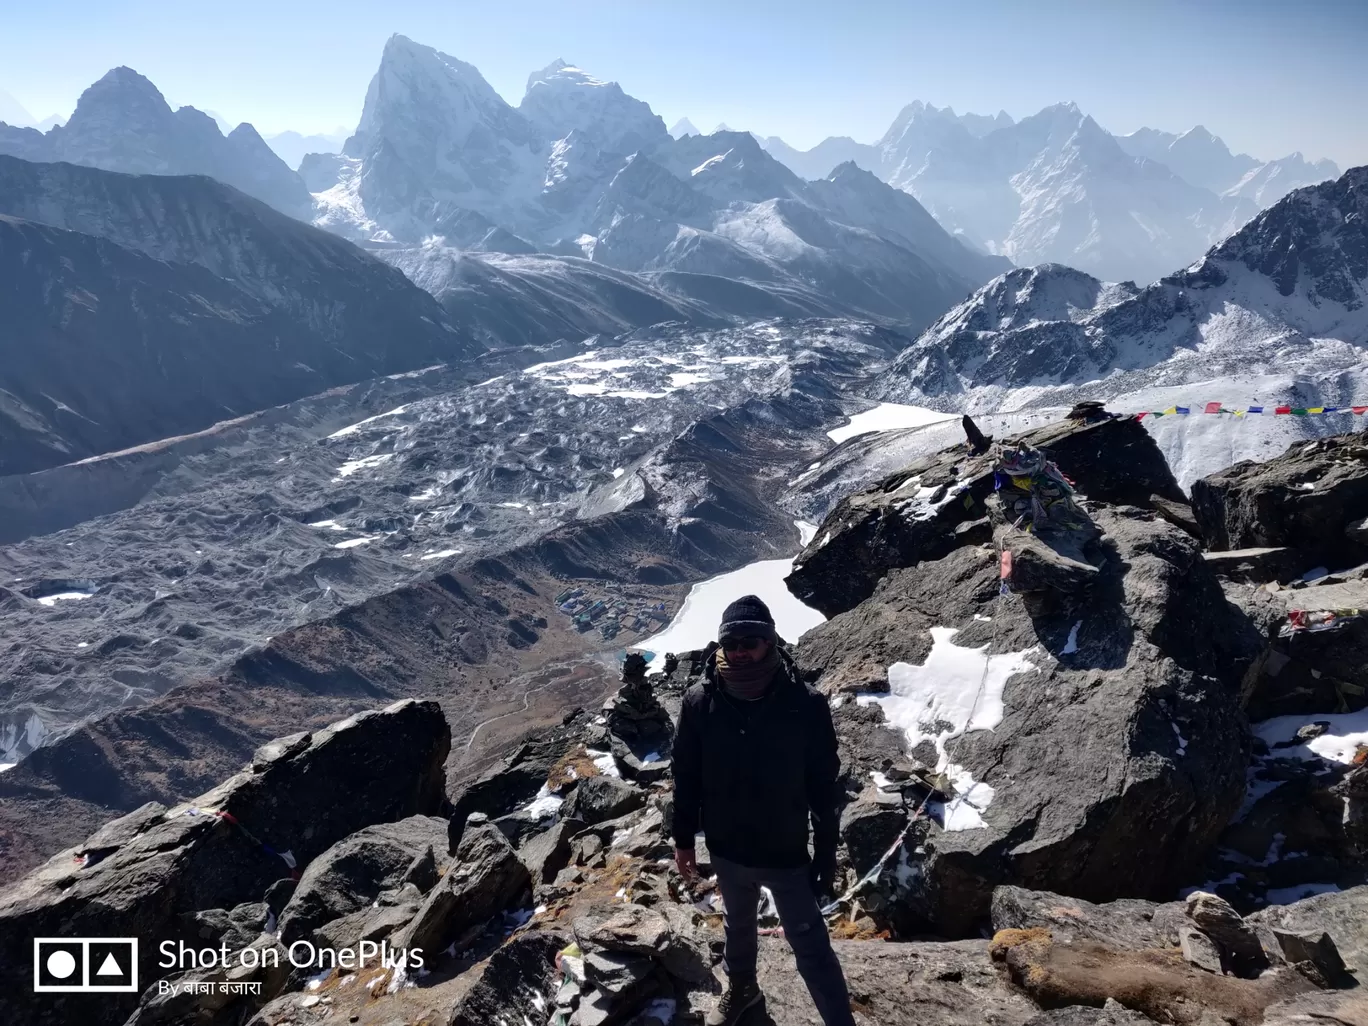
[1276,313]
[1055,187]
[154,305]
[581,169]
[123,123]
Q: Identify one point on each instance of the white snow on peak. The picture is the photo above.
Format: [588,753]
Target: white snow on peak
[710,162]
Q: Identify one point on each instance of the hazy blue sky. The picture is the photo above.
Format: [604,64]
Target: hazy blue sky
[1267,77]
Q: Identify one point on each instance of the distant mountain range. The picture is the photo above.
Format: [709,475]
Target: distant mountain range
[580,169]
[292,147]
[123,123]
[1055,187]
[142,306]
[1277,313]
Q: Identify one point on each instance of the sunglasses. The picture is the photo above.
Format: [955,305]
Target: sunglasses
[742,644]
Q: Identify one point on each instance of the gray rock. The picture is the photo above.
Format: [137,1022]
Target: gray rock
[688,956]
[278,895]
[1335,1008]
[1228,930]
[511,985]
[1310,671]
[1126,924]
[633,767]
[352,873]
[546,854]
[617,974]
[519,826]
[422,872]
[918,984]
[887,527]
[1113,1014]
[1199,950]
[271,970]
[1116,764]
[1342,914]
[624,929]
[1314,947]
[235,930]
[485,878]
[603,797]
[389,765]
[517,780]
[1268,504]
[1057,560]
[868,827]
[1257,566]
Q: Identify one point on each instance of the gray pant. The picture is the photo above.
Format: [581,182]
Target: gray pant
[804,929]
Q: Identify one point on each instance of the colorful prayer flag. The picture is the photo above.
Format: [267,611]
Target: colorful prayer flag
[1255,409]
[1282,409]
[1172,409]
[1299,411]
[1359,410]
[1213,407]
[1315,409]
[1182,409]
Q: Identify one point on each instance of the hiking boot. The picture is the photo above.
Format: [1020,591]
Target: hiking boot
[740,995]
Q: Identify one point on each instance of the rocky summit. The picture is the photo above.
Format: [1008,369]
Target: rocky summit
[1043,665]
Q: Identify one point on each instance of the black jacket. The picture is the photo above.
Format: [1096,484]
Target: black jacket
[750,773]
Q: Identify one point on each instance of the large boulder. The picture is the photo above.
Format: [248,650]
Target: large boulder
[484,879]
[1136,925]
[1127,924]
[351,874]
[1307,670]
[1307,499]
[517,779]
[140,876]
[1341,914]
[912,516]
[1116,752]
[603,797]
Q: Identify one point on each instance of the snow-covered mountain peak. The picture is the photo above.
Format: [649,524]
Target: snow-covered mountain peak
[684,127]
[1313,244]
[561,73]
[562,98]
[420,82]
[433,130]
[1276,314]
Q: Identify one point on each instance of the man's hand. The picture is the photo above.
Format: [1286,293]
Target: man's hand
[822,873]
[687,861]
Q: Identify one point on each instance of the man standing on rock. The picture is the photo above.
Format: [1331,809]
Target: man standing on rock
[754,754]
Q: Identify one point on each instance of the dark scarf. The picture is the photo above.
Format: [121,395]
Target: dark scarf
[751,681]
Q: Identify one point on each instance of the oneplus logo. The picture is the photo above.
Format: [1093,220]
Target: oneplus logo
[85,965]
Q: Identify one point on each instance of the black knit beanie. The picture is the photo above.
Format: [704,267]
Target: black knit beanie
[747,617]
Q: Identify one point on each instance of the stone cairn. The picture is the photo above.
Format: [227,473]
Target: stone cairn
[634,713]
